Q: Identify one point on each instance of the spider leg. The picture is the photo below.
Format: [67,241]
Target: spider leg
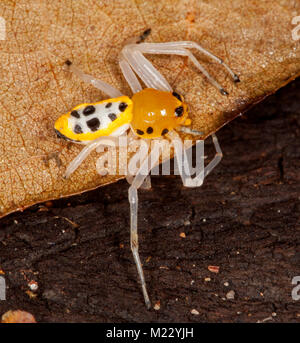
[144,69]
[142,173]
[129,75]
[179,48]
[190,131]
[153,47]
[133,168]
[108,141]
[184,163]
[216,160]
[109,90]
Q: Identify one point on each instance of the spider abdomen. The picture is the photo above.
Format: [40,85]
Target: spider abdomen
[87,122]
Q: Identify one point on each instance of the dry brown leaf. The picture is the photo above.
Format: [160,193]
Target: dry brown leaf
[253,36]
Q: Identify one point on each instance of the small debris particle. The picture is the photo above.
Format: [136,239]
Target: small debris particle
[48,204]
[265,320]
[164,267]
[261,294]
[204,220]
[15,221]
[182,235]
[33,285]
[43,209]
[31,294]
[226,284]
[121,245]
[148,259]
[186,223]
[195,312]
[213,269]
[274,314]
[17,316]
[157,306]
[230,295]
[192,282]
[1,272]
[207,279]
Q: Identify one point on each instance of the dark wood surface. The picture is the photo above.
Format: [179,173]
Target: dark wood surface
[245,219]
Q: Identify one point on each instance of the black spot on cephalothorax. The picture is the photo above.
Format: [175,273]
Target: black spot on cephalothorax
[177,96]
[93,124]
[122,106]
[179,111]
[78,129]
[164,132]
[150,130]
[139,132]
[75,114]
[89,110]
[112,116]
[108,105]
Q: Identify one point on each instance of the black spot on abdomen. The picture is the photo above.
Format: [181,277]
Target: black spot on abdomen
[89,110]
[164,132]
[75,114]
[77,129]
[112,116]
[122,106]
[93,124]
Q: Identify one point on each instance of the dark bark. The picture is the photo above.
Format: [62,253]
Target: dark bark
[244,219]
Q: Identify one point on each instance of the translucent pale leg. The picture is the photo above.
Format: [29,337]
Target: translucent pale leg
[190,131]
[129,75]
[108,141]
[144,69]
[109,90]
[134,55]
[182,159]
[133,168]
[155,48]
[142,173]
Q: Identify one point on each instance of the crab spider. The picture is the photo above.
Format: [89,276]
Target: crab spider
[154,112]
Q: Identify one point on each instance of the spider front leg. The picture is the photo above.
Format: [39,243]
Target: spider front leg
[106,88]
[134,55]
[137,182]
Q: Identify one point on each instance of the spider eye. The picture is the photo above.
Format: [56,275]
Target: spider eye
[177,96]
[179,111]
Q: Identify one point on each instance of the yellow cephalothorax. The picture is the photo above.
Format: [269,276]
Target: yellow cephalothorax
[86,122]
[155,113]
